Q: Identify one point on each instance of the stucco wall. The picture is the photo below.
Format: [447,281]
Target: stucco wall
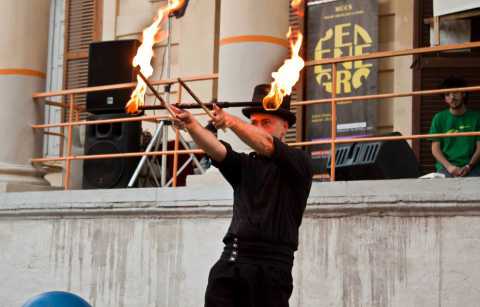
[383,243]
[194,48]
[396,20]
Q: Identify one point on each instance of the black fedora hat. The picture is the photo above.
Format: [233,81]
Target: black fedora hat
[283,112]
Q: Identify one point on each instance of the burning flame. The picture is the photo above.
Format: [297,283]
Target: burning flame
[296,3]
[151,35]
[286,76]
[297,6]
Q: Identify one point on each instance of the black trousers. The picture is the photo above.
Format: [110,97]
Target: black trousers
[237,284]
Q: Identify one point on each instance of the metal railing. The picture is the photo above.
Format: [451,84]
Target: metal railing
[333,100]
[74,121]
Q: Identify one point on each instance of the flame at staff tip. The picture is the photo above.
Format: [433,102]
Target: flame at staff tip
[297,7]
[150,36]
[286,76]
[296,3]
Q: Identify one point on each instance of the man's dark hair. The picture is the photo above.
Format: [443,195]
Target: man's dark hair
[454,82]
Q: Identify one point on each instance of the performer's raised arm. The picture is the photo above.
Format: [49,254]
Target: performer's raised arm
[205,139]
[258,139]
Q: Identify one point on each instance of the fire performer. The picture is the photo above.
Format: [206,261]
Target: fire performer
[271,186]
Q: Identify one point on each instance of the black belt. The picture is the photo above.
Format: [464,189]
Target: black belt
[252,252]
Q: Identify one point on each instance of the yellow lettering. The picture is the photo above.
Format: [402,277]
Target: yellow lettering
[322,52]
[358,75]
[361,33]
[341,46]
[347,39]
[341,31]
[359,51]
[343,82]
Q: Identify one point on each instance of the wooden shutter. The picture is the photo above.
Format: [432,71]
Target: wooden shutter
[83,23]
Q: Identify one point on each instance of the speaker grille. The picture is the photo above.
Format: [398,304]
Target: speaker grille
[103,173]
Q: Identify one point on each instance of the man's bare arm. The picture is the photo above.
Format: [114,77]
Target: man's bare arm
[476,156]
[258,139]
[201,136]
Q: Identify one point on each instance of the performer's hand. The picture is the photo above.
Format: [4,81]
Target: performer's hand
[221,119]
[455,171]
[183,119]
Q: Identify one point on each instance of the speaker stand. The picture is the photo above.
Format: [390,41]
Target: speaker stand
[161,137]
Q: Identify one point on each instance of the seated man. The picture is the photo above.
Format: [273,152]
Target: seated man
[456,156]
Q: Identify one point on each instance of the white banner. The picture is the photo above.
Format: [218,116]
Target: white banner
[444,7]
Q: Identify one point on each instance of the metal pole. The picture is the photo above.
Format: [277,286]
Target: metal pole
[168,64]
[177,137]
[333,153]
[144,158]
[180,170]
[68,162]
[221,104]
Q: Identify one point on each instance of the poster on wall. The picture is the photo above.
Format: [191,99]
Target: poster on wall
[337,28]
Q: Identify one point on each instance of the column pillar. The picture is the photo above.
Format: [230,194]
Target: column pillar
[252,46]
[23,57]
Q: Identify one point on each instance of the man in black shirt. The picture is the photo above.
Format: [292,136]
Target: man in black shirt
[271,187]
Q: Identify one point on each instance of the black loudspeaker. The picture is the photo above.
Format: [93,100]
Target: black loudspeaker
[110,63]
[375,160]
[110,139]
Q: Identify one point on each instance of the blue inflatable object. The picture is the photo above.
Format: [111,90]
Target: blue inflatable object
[57,299]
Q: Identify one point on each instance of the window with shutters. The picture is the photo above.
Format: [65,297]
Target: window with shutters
[83,24]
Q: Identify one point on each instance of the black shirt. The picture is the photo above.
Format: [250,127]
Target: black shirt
[270,194]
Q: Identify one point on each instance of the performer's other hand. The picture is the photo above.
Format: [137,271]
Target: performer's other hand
[221,119]
[183,118]
[465,170]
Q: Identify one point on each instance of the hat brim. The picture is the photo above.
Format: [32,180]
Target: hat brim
[282,113]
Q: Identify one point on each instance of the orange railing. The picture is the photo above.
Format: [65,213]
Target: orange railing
[377,55]
[71,106]
[333,100]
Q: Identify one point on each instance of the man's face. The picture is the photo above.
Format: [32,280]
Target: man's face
[455,100]
[272,124]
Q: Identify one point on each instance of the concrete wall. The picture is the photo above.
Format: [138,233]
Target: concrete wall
[382,243]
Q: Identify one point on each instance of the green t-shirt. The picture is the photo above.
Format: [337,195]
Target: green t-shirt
[457,150]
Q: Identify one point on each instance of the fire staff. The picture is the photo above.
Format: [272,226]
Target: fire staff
[271,187]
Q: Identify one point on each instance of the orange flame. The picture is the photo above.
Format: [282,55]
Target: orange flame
[297,6]
[286,76]
[296,3]
[151,35]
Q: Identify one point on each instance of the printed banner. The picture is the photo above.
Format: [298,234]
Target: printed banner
[338,28]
